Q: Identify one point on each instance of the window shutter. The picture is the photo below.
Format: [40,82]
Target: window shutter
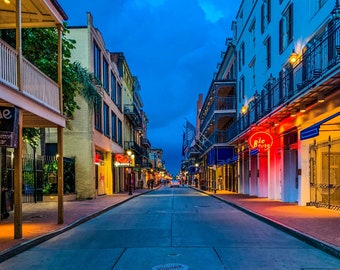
[281,36]
[262,17]
[290,23]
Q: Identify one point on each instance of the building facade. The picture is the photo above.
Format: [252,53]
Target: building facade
[135,124]
[288,91]
[286,131]
[95,134]
[28,98]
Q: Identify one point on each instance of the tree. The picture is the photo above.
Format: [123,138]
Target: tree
[44,55]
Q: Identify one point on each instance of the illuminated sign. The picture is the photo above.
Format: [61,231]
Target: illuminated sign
[122,160]
[9,121]
[261,140]
[99,158]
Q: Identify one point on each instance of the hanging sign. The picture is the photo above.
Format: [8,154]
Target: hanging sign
[122,160]
[9,121]
[261,140]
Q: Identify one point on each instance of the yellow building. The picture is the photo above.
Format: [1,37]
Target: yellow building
[95,134]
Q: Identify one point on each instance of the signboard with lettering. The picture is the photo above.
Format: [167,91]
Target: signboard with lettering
[122,160]
[261,140]
[9,117]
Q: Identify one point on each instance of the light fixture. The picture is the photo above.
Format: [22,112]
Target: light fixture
[7,1]
[129,152]
[244,109]
[321,98]
[302,107]
[271,79]
[336,11]
[293,113]
[293,57]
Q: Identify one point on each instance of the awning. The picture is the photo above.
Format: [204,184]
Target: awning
[313,130]
[220,155]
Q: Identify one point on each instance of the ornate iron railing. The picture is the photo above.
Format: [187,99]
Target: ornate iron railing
[320,58]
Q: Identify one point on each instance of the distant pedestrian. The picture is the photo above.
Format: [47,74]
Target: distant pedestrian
[220,179]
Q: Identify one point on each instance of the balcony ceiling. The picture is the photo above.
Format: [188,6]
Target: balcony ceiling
[223,122]
[35,13]
[226,90]
[50,119]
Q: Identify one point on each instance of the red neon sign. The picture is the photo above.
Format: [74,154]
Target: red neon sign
[122,160]
[261,140]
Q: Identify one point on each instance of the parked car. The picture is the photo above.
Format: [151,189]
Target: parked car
[174,183]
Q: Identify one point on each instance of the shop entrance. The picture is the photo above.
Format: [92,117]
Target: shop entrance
[325,174]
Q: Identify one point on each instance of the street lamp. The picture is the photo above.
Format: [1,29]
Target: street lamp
[131,156]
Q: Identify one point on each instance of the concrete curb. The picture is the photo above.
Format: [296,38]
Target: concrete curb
[326,247]
[13,251]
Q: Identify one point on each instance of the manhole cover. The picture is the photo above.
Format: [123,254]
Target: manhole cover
[170,266]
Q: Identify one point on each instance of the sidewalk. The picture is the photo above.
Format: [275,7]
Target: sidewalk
[317,226]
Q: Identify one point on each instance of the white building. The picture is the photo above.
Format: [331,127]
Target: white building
[296,102]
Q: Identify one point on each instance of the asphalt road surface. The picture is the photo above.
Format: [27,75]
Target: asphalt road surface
[173,229]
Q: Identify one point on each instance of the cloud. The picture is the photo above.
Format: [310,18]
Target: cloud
[212,13]
[172,46]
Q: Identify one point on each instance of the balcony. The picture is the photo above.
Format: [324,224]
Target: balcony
[146,142]
[134,115]
[315,72]
[38,90]
[220,107]
[134,147]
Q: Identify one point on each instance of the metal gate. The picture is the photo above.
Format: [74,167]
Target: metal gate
[325,174]
[39,177]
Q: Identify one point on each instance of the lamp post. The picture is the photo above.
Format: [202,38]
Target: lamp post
[129,153]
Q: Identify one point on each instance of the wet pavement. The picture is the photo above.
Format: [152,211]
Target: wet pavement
[319,227]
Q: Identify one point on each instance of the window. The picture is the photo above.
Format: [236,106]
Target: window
[252,67]
[106,120]
[265,14]
[241,88]
[119,97]
[96,61]
[98,116]
[113,127]
[252,33]
[241,56]
[120,132]
[113,88]
[267,44]
[315,6]
[286,29]
[106,76]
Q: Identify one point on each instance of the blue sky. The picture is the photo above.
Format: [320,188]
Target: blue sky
[172,46]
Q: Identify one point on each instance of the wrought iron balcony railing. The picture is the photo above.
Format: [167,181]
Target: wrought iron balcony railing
[220,105]
[320,60]
[133,146]
[131,111]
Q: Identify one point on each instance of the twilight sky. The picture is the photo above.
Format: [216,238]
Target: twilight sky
[172,46]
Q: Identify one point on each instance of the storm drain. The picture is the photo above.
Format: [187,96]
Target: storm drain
[170,266]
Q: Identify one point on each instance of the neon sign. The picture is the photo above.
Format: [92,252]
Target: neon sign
[261,140]
[122,160]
